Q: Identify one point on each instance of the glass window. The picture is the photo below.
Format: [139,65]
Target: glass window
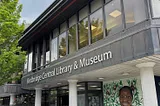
[96,25]
[53,97]
[95,4]
[62,44]
[81,87]
[83,12]
[63,90]
[134,12]
[81,100]
[156,8]
[54,50]
[83,33]
[55,32]
[94,86]
[34,56]
[30,61]
[47,51]
[41,53]
[72,39]
[72,20]
[26,64]
[63,27]
[113,17]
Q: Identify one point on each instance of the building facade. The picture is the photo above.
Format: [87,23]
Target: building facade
[82,52]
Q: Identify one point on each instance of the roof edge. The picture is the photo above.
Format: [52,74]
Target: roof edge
[41,17]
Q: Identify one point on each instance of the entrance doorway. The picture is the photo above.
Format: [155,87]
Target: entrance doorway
[63,100]
[63,96]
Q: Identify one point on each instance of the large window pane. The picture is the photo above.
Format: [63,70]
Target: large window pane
[81,99]
[54,49]
[30,61]
[41,54]
[83,33]
[47,51]
[26,64]
[55,32]
[83,13]
[53,97]
[113,17]
[72,39]
[63,27]
[95,4]
[72,20]
[62,45]
[134,12]
[97,25]
[156,8]
[35,58]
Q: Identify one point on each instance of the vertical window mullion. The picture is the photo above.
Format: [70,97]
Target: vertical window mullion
[38,55]
[44,51]
[34,57]
[50,46]
[104,21]
[58,42]
[67,38]
[148,9]
[123,15]
[89,24]
[77,34]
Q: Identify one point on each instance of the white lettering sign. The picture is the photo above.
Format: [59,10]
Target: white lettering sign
[84,62]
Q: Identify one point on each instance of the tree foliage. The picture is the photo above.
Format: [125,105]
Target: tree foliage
[11,56]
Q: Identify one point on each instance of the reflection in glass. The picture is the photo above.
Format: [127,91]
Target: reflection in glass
[35,57]
[95,4]
[83,12]
[156,8]
[97,26]
[83,33]
[134,12]
[47,52]
[93,99]
[81,99]
[45,98]
[30,61]
[41,53]
[72,39]
[26,64]
[63,27]
[54,49]
[53,97]
[113,17]
[62,45]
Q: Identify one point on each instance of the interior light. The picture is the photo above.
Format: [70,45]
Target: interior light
[81,88]
[101,78]
[79,85]
[125,73]
[98,88]
[59,83]
[93,86]
[92,27]
[115,13]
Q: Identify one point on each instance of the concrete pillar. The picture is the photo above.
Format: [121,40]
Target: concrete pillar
[38,97]
[12,99]
[72,92]
[148,83]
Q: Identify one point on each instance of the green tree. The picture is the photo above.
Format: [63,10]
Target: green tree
[11,56]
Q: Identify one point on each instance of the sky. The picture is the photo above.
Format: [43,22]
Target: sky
[33,8]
